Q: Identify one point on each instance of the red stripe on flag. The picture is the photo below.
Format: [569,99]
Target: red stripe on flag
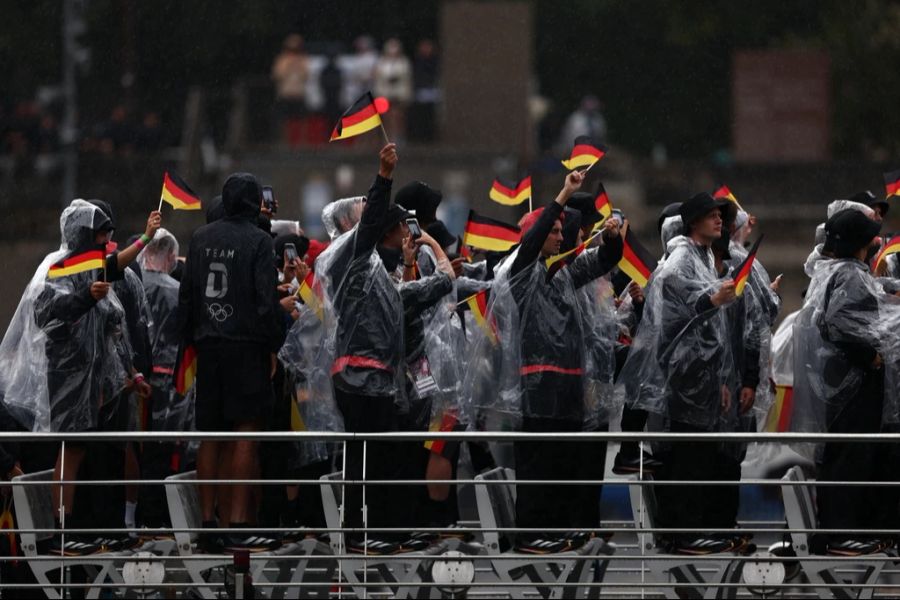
[360,362]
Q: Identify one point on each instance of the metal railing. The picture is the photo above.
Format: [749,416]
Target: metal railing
[631,565]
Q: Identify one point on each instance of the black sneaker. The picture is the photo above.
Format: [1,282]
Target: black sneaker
[853,547]
[701,546]
[419,541]
[451,532]
[576,539]
[373,547]
[629,465]
[72,547]
[211,542]
[117,544]
[543,546]
[251,543]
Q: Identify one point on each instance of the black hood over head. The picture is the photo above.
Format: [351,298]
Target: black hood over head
[242,196]
[105,206]
[215,210]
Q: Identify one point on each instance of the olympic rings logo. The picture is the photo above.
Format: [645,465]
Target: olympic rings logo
[219,312]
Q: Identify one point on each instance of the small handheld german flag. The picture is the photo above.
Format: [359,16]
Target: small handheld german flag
[311,293]
[585,153]
[511,193]
[892,184]
[478,305]
[742,273]
[602,203]
[779,417]
[723,193]
[892,246]
[449,422]
[186,369]
[636,262]
[359,118]
[79,261]
[490,234]
[178,194]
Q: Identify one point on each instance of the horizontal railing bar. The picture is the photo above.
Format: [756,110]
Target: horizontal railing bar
[495,436]
[485,584]
[395,482]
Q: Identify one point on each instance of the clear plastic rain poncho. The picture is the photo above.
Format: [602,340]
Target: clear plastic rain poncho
[751,318]
[445,344]
[539,337]
[845,313]
[342,215]
[306,359]
[157,261]
[601,329]
[681,357]
[61,359]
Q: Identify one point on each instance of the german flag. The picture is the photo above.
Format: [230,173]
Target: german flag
[178,194]
[78,262]
[892,246]
[742,273]
[297,423]
[464,251]
[449,422]
[892,184]
[779,417]
[585,153]
[359,118]
[636,262]
[489,234]
[186,369]
[602,203]
[509,193]
[478,305]
[723,193]
[311,294]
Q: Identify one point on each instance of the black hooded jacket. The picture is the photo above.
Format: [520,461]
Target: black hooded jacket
[228,289]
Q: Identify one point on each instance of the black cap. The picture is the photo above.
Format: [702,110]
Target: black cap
[441,234]
[583,202]
[870,200]
[110,223]
[420,197]
[848,231]
[670,210]
[571,227]
[701,205]
[394,215]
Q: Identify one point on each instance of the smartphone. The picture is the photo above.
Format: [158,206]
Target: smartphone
[618,216]
[269,199]
[414,230]
[290,252]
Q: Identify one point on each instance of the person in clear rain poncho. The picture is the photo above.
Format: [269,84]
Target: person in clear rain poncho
[680,370]
[363,314]
[845,350]
[538,362]
[65,358]
[629,459]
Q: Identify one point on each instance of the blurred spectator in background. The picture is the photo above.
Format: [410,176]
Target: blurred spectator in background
[426,93]
[358,69]
[331,81]
[150,134]
[117,134]
[586,120]
[290,72]
[393,80]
